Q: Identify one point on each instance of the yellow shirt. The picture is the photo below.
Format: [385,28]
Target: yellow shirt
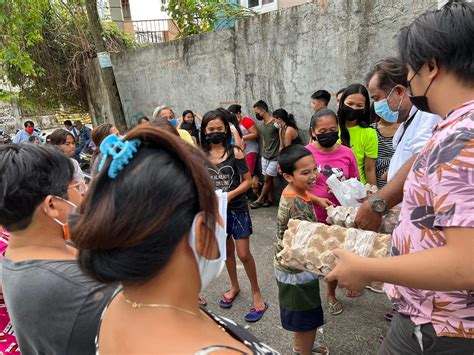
[364,143]
[185,136]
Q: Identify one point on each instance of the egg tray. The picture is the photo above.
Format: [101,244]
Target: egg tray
[308,246]
[345,216]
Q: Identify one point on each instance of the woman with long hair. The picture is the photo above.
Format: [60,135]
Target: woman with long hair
[98,134]
[232,176]
[188,123]
[355,132]
[289,132]
[163,254]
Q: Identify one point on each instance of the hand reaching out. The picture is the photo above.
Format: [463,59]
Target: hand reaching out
[349,271]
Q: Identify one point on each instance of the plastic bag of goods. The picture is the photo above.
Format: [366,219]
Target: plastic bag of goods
[347,192]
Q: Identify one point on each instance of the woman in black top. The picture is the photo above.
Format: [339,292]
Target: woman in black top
[231,175]
[289,132]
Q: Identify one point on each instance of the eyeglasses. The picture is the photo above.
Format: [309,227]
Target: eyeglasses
[80,186]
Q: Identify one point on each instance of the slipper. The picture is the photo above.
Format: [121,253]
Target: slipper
[226,302]
[353,293]
[381,339]
[333,307]
[254,205]
[267,204]
[254,315]
[316,346]
[389,316]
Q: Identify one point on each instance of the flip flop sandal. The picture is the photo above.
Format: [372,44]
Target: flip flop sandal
[388,316]
[267,204]
[254,315]
[316,346]
[226,302]
[332,306]
[381,339]
[254,205]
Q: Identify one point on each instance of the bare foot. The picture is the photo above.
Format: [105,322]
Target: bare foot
[230,295]
[353,293]
[258,302]
[335,307]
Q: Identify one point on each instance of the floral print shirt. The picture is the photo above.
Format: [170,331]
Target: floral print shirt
[438,193]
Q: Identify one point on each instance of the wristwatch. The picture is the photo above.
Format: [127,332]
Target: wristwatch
[378,205]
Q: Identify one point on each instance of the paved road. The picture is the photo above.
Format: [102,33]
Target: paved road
[355,331]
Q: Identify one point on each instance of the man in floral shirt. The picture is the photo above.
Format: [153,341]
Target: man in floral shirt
[430,275]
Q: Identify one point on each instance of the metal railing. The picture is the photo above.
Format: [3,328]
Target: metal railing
[152,31]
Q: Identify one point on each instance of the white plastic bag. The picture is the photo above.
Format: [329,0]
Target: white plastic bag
[347,192]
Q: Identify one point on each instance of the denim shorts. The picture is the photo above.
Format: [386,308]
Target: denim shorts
[239,224]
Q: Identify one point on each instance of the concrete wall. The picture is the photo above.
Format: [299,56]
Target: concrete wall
[9,116]
[281,57]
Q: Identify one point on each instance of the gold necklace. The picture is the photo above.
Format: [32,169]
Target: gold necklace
[169,306]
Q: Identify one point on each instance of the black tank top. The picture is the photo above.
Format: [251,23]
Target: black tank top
[296,140]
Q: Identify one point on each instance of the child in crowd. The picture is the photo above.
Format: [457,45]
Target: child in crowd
[333,159]
[64,139]
[54,306]
[231,175]
[298,291]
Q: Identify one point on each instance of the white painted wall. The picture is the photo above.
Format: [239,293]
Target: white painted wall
[147,10]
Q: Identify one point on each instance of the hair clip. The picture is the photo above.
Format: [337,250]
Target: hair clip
[121,151]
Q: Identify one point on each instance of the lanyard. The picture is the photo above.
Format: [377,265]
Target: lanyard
[406,124]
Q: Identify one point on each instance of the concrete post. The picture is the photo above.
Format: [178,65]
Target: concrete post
[116,13]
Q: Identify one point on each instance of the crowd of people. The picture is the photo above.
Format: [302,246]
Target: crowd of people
[167,208]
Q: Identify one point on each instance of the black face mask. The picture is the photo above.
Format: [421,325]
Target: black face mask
[258,117]
[420,102]
[216,137]
[352,114]
[327,140]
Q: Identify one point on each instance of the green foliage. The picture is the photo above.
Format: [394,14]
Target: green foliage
[197,16]
[20,29]
[47,48]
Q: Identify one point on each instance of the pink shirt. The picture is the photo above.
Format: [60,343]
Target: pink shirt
[438,193]
[8,343]
[342,163]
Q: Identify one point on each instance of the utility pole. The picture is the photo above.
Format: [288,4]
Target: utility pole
[107,74]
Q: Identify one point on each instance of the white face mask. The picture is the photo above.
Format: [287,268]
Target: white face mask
[209,269]
[65,226]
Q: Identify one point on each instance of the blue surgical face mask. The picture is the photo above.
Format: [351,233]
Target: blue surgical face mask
[174,122]
[383,110]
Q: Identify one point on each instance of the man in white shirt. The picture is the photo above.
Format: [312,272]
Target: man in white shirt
[388,87]
[408,141]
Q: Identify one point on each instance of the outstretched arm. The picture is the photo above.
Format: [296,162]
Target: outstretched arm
[450,267]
